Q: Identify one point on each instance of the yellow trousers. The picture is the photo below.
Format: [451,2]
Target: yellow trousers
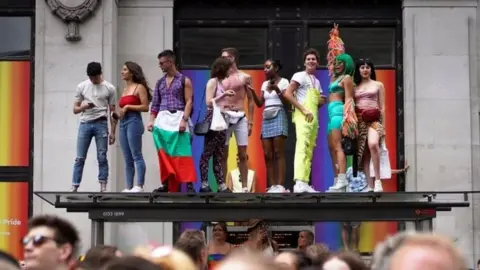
[306,136]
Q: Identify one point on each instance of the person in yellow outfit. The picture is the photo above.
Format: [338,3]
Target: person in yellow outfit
[305,94]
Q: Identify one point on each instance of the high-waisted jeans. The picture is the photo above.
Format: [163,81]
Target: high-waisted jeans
[131,133]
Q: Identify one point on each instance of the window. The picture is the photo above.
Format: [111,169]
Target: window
[16,35]
[200,46]
[377,43]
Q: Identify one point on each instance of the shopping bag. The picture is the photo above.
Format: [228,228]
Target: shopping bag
[385,169]
[218,122]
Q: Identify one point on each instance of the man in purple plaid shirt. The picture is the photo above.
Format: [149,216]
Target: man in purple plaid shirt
[169,121]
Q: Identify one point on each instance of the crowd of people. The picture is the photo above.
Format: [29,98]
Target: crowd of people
[53,243]
[356,121]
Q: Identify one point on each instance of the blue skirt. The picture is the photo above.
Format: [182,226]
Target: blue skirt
[275,127]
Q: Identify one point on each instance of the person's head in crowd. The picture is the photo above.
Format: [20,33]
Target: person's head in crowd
[478,264]
[8,262]
[99,256]
[293,260]
[414,251]
[344,261]
[247,260]
[51,243]
[131,263]
[166,257]
[318,253]
[220,232]
[194,244]
[305,239]
[257,228]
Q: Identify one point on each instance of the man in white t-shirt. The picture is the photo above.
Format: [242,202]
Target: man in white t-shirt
[95,102]
[307,99]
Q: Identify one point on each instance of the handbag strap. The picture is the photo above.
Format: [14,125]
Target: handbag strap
[203,100]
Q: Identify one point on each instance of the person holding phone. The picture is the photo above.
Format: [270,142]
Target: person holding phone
[95,102]
[274,124]
[307,100]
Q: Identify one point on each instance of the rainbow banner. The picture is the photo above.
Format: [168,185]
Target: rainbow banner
[14,113]
[322,173]
[13,217]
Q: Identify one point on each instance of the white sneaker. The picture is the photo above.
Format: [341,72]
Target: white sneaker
[302,187]
[245,190]
[126,190]
[276,189]
[378,186]
[339,186]
[136,189]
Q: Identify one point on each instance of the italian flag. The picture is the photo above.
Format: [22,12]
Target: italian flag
[174,150]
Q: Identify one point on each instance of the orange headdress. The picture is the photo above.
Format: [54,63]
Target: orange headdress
[335,48]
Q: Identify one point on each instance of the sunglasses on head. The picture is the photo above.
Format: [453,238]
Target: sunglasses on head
[37,240]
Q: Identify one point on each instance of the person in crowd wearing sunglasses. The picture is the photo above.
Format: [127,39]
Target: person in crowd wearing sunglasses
[50,244]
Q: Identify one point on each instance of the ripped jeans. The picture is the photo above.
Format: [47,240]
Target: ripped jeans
[97,129]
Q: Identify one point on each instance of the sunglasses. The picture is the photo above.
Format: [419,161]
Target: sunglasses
[37,240]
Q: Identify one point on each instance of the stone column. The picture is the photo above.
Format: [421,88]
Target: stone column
[145,28]
[59,66]
[441,106]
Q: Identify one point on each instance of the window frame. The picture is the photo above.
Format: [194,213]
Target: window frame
[263,25]
[31,54]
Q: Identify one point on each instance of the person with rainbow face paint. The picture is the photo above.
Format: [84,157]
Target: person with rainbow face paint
[307,100]
[341,116]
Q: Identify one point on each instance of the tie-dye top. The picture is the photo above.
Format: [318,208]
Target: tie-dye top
[213,260]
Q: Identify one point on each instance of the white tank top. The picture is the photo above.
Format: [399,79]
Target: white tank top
[272,99]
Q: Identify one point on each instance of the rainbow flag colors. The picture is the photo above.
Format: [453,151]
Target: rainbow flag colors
[14,113]
[13,216]
[322,173]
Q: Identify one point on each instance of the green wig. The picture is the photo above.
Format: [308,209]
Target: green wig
[349,65]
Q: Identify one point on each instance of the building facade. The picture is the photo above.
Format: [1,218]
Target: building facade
[430,45]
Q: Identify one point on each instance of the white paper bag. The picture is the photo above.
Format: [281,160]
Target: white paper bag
[218,122]
[385,169]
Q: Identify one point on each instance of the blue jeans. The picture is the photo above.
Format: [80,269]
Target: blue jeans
[97,129]
[131,132]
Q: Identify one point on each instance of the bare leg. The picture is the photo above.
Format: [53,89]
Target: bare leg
[345,236]
[268,152]
[243,165]
[340,155]
[366,167]
[279,152]
[355,235]
[374,148]
[333,156]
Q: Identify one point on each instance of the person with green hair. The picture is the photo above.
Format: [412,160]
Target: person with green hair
[341,116]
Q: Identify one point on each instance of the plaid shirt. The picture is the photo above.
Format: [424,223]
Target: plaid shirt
[172,98]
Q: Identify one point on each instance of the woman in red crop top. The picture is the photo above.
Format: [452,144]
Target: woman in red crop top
[135,99]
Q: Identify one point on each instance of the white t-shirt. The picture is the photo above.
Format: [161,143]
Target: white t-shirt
[305,80]
[272,98]
[101,95]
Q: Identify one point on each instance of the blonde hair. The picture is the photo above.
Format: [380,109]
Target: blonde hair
[385,251]
[166,257]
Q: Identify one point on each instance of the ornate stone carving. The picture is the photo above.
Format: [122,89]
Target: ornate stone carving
[73,16]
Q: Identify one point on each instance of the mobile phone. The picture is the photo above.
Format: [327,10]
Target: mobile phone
[91,104]
[114,115]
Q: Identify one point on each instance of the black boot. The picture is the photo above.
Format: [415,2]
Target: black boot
[161,189]
[190,188]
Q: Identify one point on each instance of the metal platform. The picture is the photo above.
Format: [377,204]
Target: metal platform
[419,207]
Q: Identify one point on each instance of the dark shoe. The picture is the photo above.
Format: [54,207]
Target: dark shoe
[190,188]
[225,191]
[205,190]
[161,189]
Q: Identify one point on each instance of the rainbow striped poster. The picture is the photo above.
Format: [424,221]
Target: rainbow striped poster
[14,113]
[322,174]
